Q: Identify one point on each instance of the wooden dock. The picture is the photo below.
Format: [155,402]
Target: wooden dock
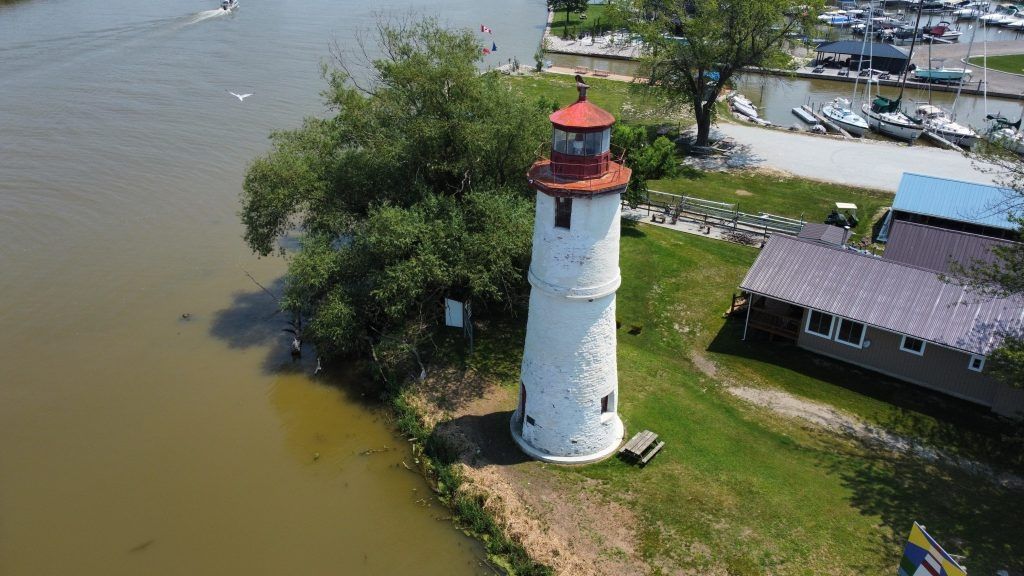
[827,123]
[940,141]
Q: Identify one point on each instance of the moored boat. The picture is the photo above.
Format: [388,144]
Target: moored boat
[840,113]
[885,116]
[1006,134]
[936,121]
[228,4]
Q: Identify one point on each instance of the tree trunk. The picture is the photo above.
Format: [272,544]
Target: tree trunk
[703,114]
[566,27]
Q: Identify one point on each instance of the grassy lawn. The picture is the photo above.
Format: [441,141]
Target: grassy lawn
[597,22]
[742,491]
[1013,63]
[782,196]
[627,102]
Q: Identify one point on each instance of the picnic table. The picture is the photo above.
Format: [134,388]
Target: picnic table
[641,448]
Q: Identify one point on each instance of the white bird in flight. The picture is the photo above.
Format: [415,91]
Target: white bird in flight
[241,97]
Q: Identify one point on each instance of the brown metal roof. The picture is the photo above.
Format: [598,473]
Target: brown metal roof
[881,293]
[934,248]
[823,233]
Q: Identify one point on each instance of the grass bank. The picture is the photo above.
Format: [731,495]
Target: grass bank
[598,20]
[1012,63]
[741,490]
[779,195]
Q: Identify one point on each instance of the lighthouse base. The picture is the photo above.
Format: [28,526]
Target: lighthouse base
[619,432]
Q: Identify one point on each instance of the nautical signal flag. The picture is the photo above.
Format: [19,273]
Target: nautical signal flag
[487,50]
[485,29]
[924,557]
[494,47]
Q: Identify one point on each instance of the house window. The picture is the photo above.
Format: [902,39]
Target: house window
[563,212]
[820,324]
[977,363]
[850,333]
[912,345]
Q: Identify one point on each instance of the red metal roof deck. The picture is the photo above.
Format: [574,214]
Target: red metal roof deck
[582,115]
[542,178]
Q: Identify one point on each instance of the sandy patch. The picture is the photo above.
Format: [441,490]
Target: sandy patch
[560,523]
[741,192]
[839,421]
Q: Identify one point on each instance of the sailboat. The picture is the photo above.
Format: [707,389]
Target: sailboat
[885,115]
[1006,134]
[936,121]
[839,111]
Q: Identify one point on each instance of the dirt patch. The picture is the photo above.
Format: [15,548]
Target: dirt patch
[560,523]
[838,421]
[741,192]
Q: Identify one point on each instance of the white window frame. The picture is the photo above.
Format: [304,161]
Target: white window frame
[863,333]
[970,363]
[831,325]
[903,345]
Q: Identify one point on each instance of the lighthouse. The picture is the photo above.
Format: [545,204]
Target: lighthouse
[568,393]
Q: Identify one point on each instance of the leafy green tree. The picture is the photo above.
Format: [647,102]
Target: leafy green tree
[695,47]
[412,190]
[648,160]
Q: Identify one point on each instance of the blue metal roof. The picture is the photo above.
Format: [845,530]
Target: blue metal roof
[954,200]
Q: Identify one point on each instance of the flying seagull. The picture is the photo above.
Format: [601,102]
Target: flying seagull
[241,97]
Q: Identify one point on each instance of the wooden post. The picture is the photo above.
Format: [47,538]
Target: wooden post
[746,323]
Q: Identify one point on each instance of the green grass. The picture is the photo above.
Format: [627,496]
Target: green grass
[782,196]
[598,21]
[1012,63]
[739,490]
[633,103]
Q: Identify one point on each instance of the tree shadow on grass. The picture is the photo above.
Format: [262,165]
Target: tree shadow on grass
[967,516]
[631,229]
[958,426]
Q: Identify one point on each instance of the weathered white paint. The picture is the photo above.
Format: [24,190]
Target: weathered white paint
[569,361]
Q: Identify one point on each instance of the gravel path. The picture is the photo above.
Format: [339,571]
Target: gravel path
[866,163]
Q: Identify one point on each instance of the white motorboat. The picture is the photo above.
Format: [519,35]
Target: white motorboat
[228,4]
[935,120]
[840,112]
[885,116]
[943,31]
[1007,13]
[743,105]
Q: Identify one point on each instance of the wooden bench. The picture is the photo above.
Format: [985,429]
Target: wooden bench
[582,70]
[601,73]
[641,448]
[658,218]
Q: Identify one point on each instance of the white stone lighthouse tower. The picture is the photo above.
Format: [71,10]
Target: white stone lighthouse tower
[568,393]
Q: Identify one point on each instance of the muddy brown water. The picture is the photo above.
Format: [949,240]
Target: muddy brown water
[134,440]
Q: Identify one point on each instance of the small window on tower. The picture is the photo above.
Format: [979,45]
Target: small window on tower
[563,212]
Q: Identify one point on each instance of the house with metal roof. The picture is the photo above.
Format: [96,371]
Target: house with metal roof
[951,204]
[895,314]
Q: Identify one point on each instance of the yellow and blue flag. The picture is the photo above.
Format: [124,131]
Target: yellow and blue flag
[924,557]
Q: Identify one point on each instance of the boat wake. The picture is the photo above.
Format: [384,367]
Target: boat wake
[207,14]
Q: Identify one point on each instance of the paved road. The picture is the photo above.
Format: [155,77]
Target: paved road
[866,163]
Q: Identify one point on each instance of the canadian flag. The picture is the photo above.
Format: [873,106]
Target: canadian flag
[485,29]
[487,50]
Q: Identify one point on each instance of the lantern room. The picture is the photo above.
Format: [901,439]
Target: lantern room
[581,139]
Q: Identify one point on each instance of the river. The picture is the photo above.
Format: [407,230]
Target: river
[151,419]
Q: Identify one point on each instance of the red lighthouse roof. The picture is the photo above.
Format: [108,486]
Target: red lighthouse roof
[582,114]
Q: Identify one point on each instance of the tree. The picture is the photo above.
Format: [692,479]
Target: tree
[648,160]
[695,47]
[568,6]
[1004,276]
[411,191]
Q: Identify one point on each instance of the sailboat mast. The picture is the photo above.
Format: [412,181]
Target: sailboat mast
[967,60]
[860,60]
[913,42]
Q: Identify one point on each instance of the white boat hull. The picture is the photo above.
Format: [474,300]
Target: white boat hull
[908,132]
